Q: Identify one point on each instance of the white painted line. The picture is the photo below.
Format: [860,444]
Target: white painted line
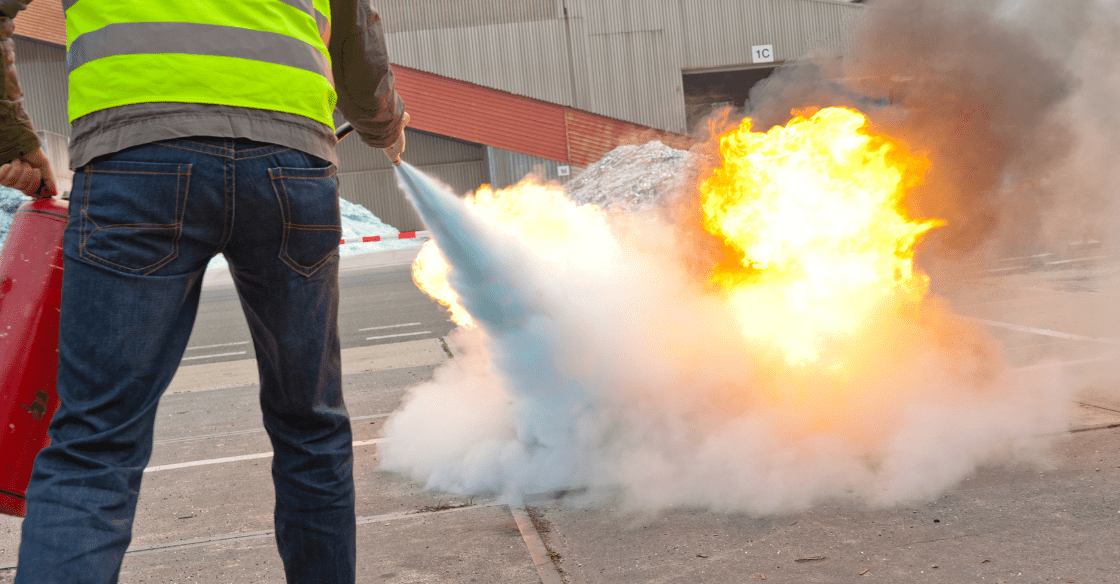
[209,461]
[215,355]
[1076,261]
[268,533]
[1030,257]
[378,328]
[398,335]
[243,457]
[218,345]
[207,436]
[1053,364]
[1041,331]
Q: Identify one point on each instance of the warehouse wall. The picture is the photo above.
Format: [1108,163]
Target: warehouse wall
[42,76]
[508,168]
[617,58]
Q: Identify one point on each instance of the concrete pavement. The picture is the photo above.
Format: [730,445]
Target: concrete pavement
[205,509]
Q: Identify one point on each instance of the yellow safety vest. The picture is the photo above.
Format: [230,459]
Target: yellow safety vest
[265,54]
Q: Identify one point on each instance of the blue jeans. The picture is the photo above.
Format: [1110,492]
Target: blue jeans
[144,222]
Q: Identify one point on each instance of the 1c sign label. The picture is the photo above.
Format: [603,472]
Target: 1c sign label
[762,54]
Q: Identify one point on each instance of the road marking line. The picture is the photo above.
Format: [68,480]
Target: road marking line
[210,356]
[399,335]
[243,457]
[268,533]
[218,345]
[377,328]
[242,432]
[1053,364]
[1041,331]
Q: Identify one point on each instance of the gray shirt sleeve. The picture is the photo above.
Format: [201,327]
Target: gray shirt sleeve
[362,76]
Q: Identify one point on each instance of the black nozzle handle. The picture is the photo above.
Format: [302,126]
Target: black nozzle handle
[343,130]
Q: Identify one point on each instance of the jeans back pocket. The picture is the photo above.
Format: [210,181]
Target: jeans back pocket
[308,200]
[132,213]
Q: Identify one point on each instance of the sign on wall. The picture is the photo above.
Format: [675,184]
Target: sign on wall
[762,54]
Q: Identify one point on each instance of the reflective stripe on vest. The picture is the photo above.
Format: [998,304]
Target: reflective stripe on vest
[264,54]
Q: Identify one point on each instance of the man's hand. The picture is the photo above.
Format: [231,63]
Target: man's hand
[394,150]
[28,174]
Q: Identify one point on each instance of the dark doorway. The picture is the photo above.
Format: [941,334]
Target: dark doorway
[707,91]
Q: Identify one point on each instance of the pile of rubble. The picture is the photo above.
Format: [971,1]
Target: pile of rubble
[633,178]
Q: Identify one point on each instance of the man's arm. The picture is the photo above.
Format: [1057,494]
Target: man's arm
[362,76]
[26,163]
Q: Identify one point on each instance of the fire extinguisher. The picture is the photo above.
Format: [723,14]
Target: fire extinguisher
[30,296]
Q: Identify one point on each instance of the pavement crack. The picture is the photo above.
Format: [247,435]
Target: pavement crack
[940,539]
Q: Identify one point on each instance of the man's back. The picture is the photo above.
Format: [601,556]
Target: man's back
[203,127]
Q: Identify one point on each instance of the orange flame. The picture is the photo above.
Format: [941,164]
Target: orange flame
[815,210]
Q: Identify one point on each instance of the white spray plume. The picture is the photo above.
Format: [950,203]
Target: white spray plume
[618,371]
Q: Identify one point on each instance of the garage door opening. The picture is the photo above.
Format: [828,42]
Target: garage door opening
[708,91]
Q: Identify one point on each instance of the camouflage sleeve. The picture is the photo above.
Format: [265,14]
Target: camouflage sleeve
[17,135]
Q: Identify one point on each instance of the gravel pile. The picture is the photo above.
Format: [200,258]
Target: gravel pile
[633,177]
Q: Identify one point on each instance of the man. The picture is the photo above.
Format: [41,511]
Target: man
[203,127]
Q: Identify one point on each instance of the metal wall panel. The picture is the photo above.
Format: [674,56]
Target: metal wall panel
[42,76]
[626,55]
[508,168]
[406,15]
[528,58]
[617,16]
[720,33]
[637,79]
[421,149]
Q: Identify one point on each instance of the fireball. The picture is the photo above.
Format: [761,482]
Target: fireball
[813,209]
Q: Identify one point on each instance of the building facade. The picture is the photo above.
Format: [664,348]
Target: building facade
[498,89]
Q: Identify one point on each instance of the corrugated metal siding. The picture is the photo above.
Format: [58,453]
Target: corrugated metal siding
[627,54]
[619,16]
[482,115]
[43,20]
[42,76]
[636,78]
[406,15]
[528,58]
[421,149]
[486,116]
[509,168]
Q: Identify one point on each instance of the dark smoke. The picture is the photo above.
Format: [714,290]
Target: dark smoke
[976,92]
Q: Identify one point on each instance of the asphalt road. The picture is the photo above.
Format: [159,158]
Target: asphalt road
[205,510]
[376,305]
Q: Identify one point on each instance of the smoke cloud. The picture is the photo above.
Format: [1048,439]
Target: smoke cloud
[1011,101]
[617,370]
[614,367]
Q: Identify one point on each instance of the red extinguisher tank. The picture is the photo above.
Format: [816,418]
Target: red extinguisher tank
[30,294]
